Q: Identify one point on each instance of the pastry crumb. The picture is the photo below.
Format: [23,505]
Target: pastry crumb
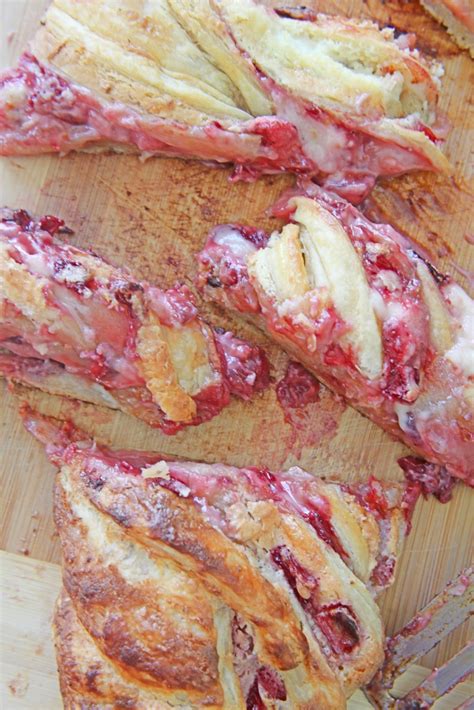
[157,470]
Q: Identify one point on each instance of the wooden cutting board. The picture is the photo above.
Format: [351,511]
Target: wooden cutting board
[152,217]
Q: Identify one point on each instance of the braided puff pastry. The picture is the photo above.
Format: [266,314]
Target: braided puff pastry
[73,325]
[230,81]
[355,304]
[192,585]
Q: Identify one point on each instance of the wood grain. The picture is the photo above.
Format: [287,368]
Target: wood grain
[29,589]
[152,217]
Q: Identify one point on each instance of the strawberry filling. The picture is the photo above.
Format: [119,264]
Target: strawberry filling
[223,265]
[304,584]
[338,624]
[315,509]
[383,572]
[41,111]
[214,492]
[258,682]
[213,495]
[101,348]
[174,307]
[371,496]
[223,274]
[336,621]
[428,478]
[246,367]
[349,154]
[268,681]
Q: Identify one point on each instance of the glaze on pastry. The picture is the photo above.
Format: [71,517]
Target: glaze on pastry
[199,585]
[71,324]
[229,81]
[354,303]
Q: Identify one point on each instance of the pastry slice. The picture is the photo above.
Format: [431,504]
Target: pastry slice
[73,325]
[356,305]
[458,18]
[227,81]
[195,585]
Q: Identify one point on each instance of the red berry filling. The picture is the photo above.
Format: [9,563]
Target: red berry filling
[382,574]
[338,624]
[336,621]
[430,478]
[255,679]
[246,367]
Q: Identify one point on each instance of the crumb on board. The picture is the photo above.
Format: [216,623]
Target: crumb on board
[18,685]
[157,470]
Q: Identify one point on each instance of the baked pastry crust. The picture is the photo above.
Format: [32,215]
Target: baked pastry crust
[72,324]
[208,586]
[458,18]
[263,89]
[366,315]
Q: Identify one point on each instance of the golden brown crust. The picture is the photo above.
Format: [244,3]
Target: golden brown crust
[160,374]
[189,578]
[153,515]
[85,676]
[89,680]
[130,546]
[196,585]
[112,586]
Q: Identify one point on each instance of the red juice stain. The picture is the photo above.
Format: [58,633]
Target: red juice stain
[297,388]
[312,414]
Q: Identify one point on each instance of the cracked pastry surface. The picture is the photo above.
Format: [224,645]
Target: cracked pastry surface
[206,585]
[72,324]
[264,89]
[354,303]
